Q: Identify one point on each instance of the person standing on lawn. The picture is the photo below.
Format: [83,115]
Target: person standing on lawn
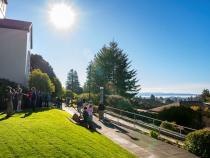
[33,98]
[9,99]
[19,95]
[80,106]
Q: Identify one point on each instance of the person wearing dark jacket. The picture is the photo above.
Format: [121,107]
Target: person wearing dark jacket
[9,98]
[101,109]
[86,117]
[33,98]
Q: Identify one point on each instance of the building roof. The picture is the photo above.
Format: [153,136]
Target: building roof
[15,24]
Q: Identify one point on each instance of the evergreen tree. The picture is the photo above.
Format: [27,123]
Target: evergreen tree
[111,70]
[205,95]
[38,62]
[58,87]
[72,82]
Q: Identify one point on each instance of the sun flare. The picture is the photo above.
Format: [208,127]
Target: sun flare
[62,16]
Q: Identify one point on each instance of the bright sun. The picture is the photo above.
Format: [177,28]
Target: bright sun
[62,16]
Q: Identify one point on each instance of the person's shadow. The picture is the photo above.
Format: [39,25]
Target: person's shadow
[1,113]
[5,118]
[27,114]
[110,124]
[96,126]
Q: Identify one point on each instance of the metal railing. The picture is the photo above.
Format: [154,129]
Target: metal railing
[147,122]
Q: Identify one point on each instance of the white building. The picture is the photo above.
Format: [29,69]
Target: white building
[15,47]
[3,5]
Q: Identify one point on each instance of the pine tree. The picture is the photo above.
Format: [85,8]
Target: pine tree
[111,69]
[72,82]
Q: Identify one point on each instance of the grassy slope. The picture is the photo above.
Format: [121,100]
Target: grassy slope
[49,133]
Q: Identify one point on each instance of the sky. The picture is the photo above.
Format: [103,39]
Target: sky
[167,41]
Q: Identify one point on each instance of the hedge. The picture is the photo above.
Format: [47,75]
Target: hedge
[198,142]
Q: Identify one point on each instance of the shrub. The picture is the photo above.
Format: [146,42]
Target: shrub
[118,101]
[207,112]
[93,97]
[154,134]
[182,115]
[41,81]
[198,142]
[195,108]
[69,93]
[167,125]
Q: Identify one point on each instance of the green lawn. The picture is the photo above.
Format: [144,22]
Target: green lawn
[48,133]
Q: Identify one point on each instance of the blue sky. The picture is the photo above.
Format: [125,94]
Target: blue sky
[167,41]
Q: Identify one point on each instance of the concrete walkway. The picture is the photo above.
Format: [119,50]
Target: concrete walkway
[119,121]
[139,144]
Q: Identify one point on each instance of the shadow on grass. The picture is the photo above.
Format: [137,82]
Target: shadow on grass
[26,112]
[5,118]
[2,113]
[29,112]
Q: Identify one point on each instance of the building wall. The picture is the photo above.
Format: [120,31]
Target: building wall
[2,9]
[13,55]
[28,56]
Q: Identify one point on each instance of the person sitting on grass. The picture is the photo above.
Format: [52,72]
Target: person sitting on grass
[87,121]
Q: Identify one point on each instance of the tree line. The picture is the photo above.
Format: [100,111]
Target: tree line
[43,76]
[110,69]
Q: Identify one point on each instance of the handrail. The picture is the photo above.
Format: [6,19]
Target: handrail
[181,128]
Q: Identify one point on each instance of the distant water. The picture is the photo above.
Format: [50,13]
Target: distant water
[168,95]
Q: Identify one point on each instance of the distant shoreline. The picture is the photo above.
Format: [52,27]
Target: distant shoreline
[168,95]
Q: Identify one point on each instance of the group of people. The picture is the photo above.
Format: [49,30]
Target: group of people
[86,112]
[13,97]
[32,99]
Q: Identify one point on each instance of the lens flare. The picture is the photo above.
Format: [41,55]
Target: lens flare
[62,16]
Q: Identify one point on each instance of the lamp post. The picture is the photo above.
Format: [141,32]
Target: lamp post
[101,95]
[90,68]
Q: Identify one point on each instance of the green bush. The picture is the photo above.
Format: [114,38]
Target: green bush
[169,125]
[93,97]
[182,115]
[207,112]
[198,142]
[154,134]
[118,101]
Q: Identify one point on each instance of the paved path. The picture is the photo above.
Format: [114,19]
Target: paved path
[139,144]
[119,121]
